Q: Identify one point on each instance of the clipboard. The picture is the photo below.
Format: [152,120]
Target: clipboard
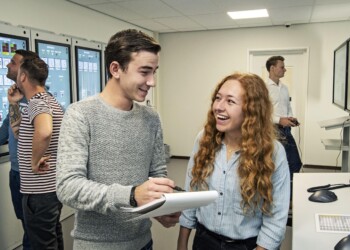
[173,202]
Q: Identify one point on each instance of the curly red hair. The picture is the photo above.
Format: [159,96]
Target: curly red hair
[256,165]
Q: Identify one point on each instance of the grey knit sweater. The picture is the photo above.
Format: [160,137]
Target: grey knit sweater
[102,153]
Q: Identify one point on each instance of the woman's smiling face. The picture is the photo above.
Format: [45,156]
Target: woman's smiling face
[227,107]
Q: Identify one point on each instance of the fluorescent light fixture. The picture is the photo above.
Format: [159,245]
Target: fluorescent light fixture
[248,14]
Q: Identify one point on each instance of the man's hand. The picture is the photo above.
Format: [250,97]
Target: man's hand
[288,122]
[42,166]
[153,189]
[14,95]
[294,121]
[169,220]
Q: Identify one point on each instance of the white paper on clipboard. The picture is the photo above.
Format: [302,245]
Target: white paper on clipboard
[173,202]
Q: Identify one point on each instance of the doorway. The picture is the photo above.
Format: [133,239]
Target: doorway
[296,79]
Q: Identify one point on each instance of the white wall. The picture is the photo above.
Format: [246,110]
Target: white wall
[193,62]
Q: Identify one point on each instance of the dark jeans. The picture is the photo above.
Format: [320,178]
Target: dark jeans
[207,240]
[16,197]
[42,217]
[291,148]
[149,246]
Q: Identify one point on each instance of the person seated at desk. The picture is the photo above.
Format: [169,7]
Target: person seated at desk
[237,155]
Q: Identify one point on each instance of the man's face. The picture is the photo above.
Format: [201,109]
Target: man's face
[19,80]
[138,78]
[278,70]
[13,67]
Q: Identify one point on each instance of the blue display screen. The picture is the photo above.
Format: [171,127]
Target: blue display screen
[57,56]
[88,66]
[9,44]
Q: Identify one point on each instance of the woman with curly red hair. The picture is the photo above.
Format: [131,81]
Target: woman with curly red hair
[237,155]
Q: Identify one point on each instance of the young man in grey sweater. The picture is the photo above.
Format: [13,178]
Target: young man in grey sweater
[110,146]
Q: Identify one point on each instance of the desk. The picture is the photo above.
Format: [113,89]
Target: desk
[304,223]
[343,144]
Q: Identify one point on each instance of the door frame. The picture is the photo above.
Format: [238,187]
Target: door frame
[302,51]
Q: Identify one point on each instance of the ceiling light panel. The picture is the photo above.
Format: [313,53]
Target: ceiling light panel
[248,14]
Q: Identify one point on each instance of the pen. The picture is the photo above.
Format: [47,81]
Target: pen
[177,188]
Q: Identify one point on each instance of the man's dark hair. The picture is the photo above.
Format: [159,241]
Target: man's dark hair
[36,70]
[124,43]
[26,54]
[272,61]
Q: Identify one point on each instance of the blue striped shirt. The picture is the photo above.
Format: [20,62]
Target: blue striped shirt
[225,215]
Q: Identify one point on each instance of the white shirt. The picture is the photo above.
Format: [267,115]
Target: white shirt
[279,96]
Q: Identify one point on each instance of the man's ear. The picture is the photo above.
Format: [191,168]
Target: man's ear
[114,68]
[22,76]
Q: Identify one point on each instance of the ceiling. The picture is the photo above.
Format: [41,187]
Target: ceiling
[193,15]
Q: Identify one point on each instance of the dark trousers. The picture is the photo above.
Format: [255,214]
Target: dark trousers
[42,217]
[16,197]
[288,142]
[207,240]
[149,246]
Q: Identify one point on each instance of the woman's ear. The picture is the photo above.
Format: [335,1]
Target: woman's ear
[114,68]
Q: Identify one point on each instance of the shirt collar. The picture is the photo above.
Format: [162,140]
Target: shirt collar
[270,82]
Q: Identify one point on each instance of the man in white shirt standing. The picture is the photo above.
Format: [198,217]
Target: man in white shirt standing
[283,115]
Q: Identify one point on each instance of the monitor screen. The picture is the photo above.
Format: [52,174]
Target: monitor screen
[57,56]
[9,44]
[340,76]
[88,72]
[348,78]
